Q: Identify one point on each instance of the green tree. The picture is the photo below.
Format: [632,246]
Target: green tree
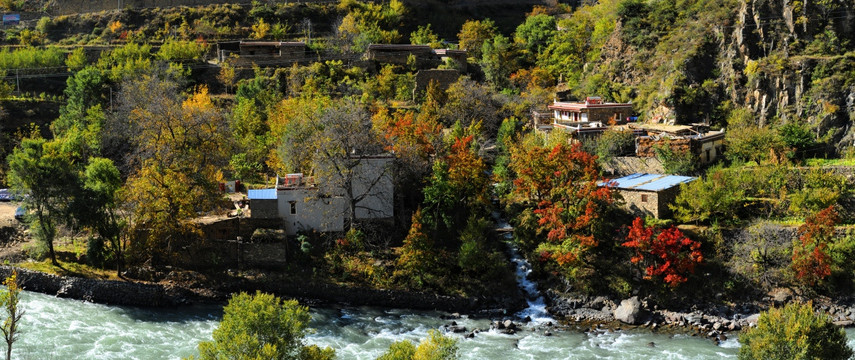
[435,347]
[76,59]
[499,59]
[798,138]
[425,36]
[536,33]
[101,198]
[474,33]
[41,169]
[11,298]
[794,332]
[714,198]
[262,326]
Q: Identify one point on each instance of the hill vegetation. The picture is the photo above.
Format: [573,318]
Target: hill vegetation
[152,120]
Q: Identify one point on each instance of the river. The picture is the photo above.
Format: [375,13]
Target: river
[55,328]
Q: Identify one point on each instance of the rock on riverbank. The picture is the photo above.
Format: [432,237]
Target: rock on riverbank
[110,292]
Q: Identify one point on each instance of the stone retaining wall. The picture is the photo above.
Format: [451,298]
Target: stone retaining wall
[111,292]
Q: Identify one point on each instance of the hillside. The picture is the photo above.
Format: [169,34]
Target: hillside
[692,61]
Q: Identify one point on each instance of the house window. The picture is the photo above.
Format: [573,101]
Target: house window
[643,197]
[293,207]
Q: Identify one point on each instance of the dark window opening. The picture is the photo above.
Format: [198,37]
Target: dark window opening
[643,197]
[293,207]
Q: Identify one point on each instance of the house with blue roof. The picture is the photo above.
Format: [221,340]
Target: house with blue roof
[649,194]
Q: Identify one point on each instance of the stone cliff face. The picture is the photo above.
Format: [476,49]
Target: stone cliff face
[785,60]
[777,46]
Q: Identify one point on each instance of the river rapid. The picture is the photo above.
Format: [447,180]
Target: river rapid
[54,328]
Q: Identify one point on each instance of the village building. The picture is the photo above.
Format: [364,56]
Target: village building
[592,110]
[649,194]
[261,52]
[697,139]
[425,56]
[304,205]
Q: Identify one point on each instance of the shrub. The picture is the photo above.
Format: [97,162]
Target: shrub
[435,347]
[794,332]
[180,50]
[669,254]
[262,326]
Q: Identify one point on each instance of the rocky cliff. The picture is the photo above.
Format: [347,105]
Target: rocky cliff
[785,60]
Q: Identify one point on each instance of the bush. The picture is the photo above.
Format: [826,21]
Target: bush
[435,347]
[30,57]
[794,332]
[95,252]
[179,50]
[262,326]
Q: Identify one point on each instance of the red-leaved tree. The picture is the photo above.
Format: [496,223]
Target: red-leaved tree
[562,183]
[811,260]
[670,254]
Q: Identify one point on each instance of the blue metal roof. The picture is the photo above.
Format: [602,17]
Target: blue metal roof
[663,183]
[262,194]
[649,182]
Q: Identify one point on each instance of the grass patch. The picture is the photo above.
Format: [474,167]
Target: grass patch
[69,269]
[830,162]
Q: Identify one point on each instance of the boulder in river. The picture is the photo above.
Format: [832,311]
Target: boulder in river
[629,311]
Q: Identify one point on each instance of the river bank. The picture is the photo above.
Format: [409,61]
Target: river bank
[173,292]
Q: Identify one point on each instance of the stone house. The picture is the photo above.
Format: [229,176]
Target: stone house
[707,146]
[649,194]
[304,205]
[425,56]
[261,52]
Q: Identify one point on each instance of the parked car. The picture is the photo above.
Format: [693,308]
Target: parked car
[5,195]
[20,212]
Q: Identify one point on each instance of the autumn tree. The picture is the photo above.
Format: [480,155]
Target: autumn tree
[794,332]
[456,190]
[811,259]
[669,255]
[178,150]
[474,33]
[561,184]
[262,326]
[419,259]
[10,298]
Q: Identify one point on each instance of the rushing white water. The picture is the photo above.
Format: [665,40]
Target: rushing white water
[536,309]
[54,328]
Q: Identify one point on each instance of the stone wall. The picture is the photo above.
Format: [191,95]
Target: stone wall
[231,228]
[228,254]
[444,78]
[627,165]
[645,145]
